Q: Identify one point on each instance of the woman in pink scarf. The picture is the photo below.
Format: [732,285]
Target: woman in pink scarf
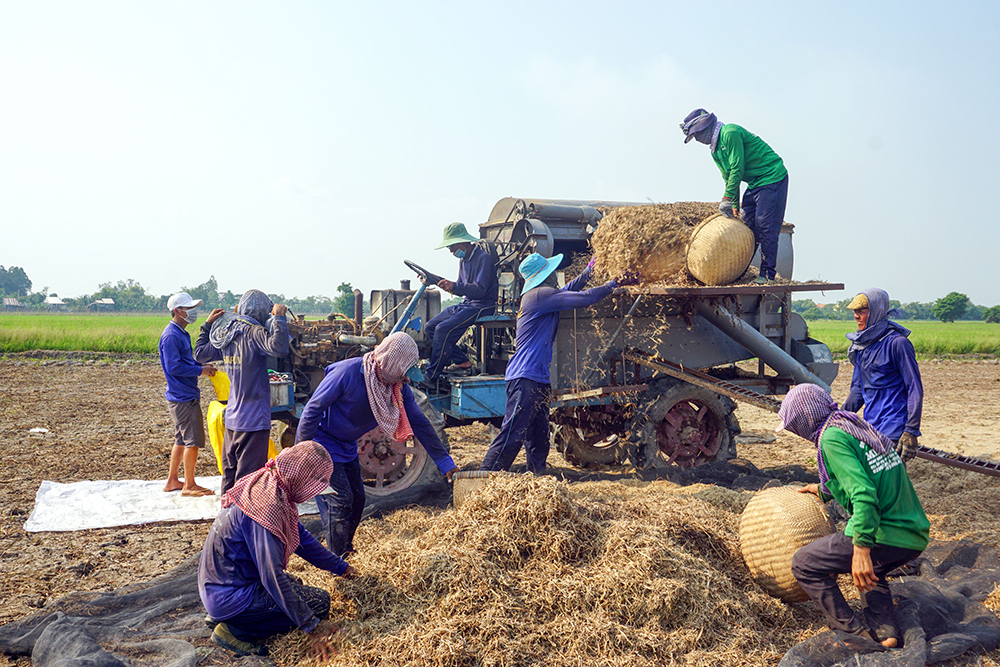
[241,577]
[356,396]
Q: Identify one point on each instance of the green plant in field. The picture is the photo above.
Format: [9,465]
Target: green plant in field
[950,308]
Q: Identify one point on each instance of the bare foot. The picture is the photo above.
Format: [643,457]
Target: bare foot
[173,486]
[891,642]
[197,491]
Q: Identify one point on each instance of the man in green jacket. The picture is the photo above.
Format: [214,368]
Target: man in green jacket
[859,468]
[742,156]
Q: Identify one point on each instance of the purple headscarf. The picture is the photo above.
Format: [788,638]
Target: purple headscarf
[878,324]
[807,411]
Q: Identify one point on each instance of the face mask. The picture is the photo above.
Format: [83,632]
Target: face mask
[192,315]
[460,254]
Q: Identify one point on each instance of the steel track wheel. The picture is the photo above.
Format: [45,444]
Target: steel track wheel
[388,466]
[589,436]
[684,425]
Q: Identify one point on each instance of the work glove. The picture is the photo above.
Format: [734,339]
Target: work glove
[592,262]
[907,446]
[726,207]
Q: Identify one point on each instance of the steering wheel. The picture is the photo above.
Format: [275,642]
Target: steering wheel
[426,276]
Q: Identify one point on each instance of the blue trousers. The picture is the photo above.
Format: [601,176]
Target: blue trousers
[815,567]
[763,213]
[444,330]
[525,423]
[265,618]
[341,512]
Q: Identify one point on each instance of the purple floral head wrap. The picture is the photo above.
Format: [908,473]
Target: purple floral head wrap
[807,411]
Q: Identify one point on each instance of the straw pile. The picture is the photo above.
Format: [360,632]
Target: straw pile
[532,572]
[650,240]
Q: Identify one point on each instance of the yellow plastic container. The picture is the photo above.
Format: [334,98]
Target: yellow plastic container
[216,419]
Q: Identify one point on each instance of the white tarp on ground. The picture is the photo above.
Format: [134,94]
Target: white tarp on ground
[104,504]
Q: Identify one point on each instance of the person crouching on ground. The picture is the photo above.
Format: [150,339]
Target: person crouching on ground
[241,578]
[859,467]
[354,397]
[183,395]
[526,416]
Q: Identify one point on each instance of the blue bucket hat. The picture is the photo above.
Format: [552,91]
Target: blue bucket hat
[535,269]
[695,122]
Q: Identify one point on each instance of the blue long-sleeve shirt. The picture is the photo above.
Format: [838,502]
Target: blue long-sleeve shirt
[886,382]
[538,321]
[477,279]
[249,405]
[242,568]
[179,365]
[338,413]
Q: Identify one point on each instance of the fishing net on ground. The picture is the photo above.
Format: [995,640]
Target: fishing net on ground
[532,571]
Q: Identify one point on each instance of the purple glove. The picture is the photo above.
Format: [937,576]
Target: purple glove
[590,264]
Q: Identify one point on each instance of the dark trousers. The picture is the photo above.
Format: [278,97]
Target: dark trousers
[265,618]
[525,423]
[243,452]
[341,512]
[815,566]
[444,330]
[763,213]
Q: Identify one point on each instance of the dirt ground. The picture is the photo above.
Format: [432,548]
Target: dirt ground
[107,419]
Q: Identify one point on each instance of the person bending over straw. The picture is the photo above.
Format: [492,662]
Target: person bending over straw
[354,397]
[241,577]
[859,468]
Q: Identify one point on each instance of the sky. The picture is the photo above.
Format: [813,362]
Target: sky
[293,146]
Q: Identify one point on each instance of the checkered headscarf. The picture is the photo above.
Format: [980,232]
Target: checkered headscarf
[270,495]
[807,411]
[385,369]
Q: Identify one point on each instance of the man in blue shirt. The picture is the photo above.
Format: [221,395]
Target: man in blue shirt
[183,396]
[477,282]
[356,396]
[243,343]
[526,418]
[886,379]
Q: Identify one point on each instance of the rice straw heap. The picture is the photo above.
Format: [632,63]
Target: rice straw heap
[530,572]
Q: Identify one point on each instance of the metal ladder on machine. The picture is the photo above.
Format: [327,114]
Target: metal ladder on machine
[744,395]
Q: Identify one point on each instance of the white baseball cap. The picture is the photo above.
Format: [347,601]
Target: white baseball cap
[182,300]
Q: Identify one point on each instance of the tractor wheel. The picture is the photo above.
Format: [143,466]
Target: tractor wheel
[388,466]
[684,425]
[590,435]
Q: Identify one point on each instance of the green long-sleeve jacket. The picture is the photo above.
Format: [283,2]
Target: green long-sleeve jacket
[876,491]
[743,156]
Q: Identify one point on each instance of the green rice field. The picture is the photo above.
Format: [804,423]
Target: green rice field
[140,334]
[930,338]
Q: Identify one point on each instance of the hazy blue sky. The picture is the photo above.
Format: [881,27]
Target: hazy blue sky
[293,146]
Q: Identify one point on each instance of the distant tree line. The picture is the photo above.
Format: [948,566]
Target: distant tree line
[131,296]
[954,306]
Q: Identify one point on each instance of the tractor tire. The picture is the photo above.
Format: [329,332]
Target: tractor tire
[389,467]
[682,424]
[590,436]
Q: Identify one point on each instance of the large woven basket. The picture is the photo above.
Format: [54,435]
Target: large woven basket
[775,524]
[720,250]
[464,484]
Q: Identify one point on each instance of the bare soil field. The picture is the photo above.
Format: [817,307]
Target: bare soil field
[107,419]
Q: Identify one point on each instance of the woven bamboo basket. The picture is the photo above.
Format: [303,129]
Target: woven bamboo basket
[775,524]
[720,250]
[466,483]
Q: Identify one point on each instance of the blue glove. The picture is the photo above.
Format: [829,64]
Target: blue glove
[726,207]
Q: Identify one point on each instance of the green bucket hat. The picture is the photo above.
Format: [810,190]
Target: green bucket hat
[456,233]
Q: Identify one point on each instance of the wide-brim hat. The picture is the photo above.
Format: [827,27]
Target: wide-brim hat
[535,269]
[456,233]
